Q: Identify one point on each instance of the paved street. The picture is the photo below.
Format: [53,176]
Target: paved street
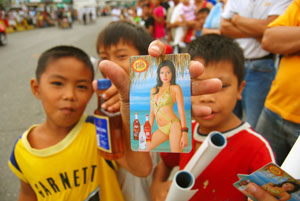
[19,109]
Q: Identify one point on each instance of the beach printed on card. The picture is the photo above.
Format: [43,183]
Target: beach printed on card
[160,103]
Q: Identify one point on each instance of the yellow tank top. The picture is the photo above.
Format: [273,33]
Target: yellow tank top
[70,170]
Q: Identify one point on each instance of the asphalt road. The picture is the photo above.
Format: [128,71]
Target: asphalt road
[18,107]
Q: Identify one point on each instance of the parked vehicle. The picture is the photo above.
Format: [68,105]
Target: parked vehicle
[3,35]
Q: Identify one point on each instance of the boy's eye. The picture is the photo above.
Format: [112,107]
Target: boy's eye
[225,86]
[103,57]
[122,56]
[57,83]
[82,87]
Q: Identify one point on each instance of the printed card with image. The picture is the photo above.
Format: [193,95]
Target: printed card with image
[160,103]
[274,180]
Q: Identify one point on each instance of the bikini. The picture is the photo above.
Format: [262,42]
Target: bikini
[164,100]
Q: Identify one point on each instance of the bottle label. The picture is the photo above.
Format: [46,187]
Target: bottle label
[103,133]
[142,143]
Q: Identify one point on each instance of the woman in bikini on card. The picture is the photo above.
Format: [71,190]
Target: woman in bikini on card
[162,99]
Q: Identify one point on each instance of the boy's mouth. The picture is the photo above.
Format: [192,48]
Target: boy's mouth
[67,110]
[209,117]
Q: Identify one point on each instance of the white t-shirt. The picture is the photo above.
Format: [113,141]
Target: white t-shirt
[259,9]
[116,12]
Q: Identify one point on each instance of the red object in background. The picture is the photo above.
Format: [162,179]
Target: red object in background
[169,49]
[147,129]
[189,36]
[2,28]
[3,37]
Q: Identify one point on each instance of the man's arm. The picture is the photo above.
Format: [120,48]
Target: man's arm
[227,28]
[242,27]
[282,40]
[251,26]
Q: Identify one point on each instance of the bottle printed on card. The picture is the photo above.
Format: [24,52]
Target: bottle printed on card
[136,127]
[147,129]
[142,139]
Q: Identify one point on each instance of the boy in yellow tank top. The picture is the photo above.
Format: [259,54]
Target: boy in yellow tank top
[59,159]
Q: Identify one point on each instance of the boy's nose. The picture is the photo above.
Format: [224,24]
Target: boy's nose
[208,98]
[69,94]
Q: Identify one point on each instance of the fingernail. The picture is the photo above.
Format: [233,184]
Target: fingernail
[251,188]
[155,48]
[103,106]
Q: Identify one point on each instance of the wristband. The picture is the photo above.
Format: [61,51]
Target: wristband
[185,129]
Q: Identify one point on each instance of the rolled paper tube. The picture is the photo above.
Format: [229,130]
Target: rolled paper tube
[291,163]
[210,148]
[181,186]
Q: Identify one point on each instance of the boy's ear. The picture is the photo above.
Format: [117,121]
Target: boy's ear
[240,90]
[35,87]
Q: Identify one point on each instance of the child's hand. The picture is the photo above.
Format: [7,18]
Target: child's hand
[120,79]
[259,193]
[112,100]
[199,87]
[159,191]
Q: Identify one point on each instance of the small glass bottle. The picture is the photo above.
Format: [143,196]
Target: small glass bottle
[136,127]
[147,129]
[108,127]
[142,139]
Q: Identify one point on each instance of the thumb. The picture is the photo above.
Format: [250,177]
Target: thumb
[259,193]
[118,77]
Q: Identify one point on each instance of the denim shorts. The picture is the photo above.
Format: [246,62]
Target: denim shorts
[280,133]
[259,75]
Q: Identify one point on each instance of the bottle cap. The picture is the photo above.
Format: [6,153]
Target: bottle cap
[103,84]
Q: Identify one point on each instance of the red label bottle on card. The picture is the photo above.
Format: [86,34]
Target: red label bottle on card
[147,129]
[108,127]
[136,127]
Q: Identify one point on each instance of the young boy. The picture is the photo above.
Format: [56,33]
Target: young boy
[246,150]
[118,42]
[59,158]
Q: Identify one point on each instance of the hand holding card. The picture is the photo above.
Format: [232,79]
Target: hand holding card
[274,180]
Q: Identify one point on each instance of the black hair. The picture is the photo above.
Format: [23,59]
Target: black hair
[203,10]
[213,48]
[296,186]
[171,66]
[58,52]
[128,32]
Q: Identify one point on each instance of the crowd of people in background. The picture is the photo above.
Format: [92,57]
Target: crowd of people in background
[26,18]
[16,19]
[176,22]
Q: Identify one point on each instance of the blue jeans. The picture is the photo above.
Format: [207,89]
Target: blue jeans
[280,133]
[259,75]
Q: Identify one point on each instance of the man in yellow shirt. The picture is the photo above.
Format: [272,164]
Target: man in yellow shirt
[280,119]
